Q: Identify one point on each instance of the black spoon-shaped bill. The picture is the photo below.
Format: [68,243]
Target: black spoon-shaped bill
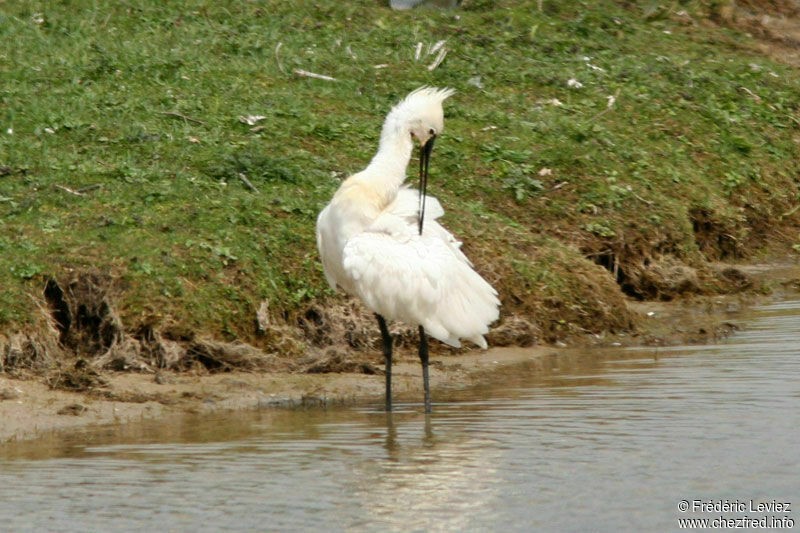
[424,161]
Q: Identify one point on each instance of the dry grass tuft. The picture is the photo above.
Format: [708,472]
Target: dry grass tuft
[333,359]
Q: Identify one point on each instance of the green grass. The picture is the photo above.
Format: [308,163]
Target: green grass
[143,98]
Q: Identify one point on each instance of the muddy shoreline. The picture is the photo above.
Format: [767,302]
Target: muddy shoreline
[30,408]
[33,409]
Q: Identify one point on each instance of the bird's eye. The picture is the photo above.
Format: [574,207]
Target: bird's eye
[432,131]
[412,134]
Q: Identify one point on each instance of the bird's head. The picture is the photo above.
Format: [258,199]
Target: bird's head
[427,125]
[421,114]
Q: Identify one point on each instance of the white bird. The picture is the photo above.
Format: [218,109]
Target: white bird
[377,241]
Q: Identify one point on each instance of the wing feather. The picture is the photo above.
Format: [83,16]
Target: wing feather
[423,280]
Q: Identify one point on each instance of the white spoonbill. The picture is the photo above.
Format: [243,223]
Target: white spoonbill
[378,242]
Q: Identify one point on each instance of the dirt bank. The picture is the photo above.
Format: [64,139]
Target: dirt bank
[31,406]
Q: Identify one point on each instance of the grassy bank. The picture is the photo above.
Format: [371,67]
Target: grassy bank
[124,137]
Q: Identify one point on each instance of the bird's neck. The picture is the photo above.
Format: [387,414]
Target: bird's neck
[387,170]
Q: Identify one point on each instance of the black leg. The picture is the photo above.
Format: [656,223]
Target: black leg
[387,354]
[423,357]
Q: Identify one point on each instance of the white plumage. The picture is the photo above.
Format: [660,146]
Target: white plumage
[419,279]
[369,241]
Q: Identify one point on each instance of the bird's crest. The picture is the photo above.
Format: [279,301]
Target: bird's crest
[420,104]
[420,100]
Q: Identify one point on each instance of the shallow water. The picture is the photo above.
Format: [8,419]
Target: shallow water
[608,441]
